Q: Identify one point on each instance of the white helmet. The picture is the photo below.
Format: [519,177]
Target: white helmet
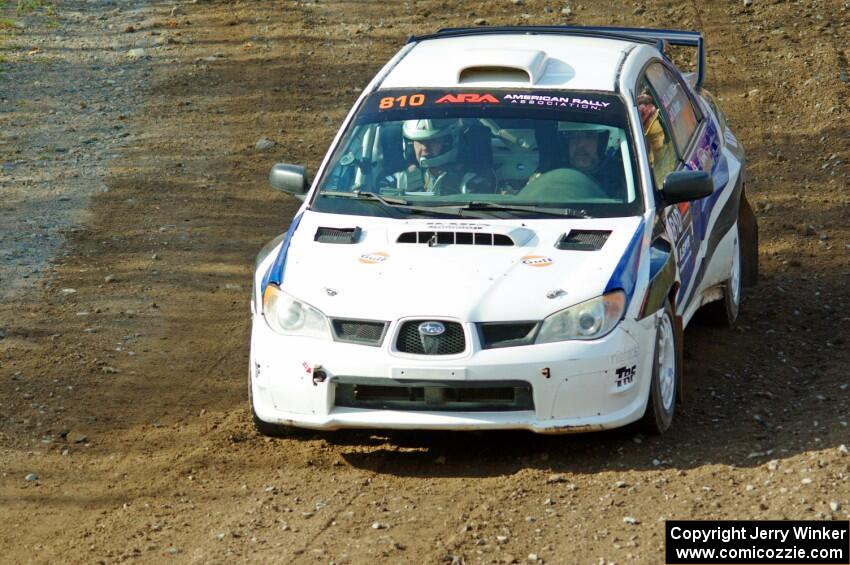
[428,129]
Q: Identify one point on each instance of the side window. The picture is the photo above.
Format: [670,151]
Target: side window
[659,143]
[675,102]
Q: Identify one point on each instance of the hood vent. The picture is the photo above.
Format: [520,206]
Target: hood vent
[583,240]
[337,235]
[433,238]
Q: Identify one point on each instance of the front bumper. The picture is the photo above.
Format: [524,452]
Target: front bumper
[575,386]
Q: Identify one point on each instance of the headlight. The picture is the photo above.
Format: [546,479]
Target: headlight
[289,316]
[592,319]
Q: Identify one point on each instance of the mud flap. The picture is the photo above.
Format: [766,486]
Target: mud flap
[749,231]
[679,329]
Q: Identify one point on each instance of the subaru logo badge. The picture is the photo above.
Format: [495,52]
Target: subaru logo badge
[432,328]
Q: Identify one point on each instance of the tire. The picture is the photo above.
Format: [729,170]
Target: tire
[664,385]
[725,311]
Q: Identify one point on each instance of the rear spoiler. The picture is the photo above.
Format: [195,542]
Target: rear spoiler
[676,37]
[658,37]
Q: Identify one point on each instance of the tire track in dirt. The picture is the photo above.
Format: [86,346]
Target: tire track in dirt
[419,544]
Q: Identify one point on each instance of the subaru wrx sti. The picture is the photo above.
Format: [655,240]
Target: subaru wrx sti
[511,230]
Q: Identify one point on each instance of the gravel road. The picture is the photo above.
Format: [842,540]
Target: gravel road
[67,92]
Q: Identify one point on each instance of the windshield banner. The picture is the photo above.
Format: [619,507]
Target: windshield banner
[426,103]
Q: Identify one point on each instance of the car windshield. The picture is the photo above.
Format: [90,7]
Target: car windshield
[490,153]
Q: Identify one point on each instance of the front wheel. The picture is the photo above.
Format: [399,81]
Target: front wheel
[665,375]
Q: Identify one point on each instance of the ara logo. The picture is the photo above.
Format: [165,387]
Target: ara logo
[468,98]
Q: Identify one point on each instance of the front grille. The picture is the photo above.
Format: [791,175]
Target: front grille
[443,396]
[506,334]
[583,240]
[365,332]
[449,343]
[455,238]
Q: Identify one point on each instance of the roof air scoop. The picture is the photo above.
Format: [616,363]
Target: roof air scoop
[473,75]
[501,65]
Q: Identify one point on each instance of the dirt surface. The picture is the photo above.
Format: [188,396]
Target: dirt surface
[65,98]
[134,200]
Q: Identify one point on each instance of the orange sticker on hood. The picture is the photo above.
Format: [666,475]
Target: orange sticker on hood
[537,261]
[372,258]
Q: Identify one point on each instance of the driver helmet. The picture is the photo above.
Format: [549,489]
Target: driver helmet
[448,131]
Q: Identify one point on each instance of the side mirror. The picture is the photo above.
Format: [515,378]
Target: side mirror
[684,186]
[291,179]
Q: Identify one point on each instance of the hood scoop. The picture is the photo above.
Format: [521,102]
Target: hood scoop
[500,65]
[433,238]
[337,235]
[583,240]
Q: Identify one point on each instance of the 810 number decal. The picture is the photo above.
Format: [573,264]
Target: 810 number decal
[402,101]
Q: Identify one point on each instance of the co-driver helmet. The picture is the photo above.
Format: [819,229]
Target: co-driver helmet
[607,138]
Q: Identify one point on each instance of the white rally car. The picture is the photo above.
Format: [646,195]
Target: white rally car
[510,231]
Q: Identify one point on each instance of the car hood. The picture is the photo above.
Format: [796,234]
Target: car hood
[380,278]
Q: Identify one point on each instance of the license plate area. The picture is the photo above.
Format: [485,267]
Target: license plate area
[428,374]
[434,396]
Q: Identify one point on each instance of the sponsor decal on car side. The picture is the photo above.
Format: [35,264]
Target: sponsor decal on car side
[625,376]
[682,230]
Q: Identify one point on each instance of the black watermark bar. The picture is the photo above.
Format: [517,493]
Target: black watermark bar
[757,542]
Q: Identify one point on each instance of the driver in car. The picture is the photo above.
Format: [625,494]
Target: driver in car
[591,171]
[433,147]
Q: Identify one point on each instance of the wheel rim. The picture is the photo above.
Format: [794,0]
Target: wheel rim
[735,275]
[667,363]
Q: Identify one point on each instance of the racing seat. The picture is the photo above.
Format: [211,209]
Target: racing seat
[551,154]
[476,155]
[611,178]
[392,150]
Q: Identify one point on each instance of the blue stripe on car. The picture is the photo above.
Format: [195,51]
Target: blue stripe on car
[275,272]
[625,274]
[700,210]
[720,175]
[709,143]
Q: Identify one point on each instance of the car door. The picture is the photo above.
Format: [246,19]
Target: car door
[678,136]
